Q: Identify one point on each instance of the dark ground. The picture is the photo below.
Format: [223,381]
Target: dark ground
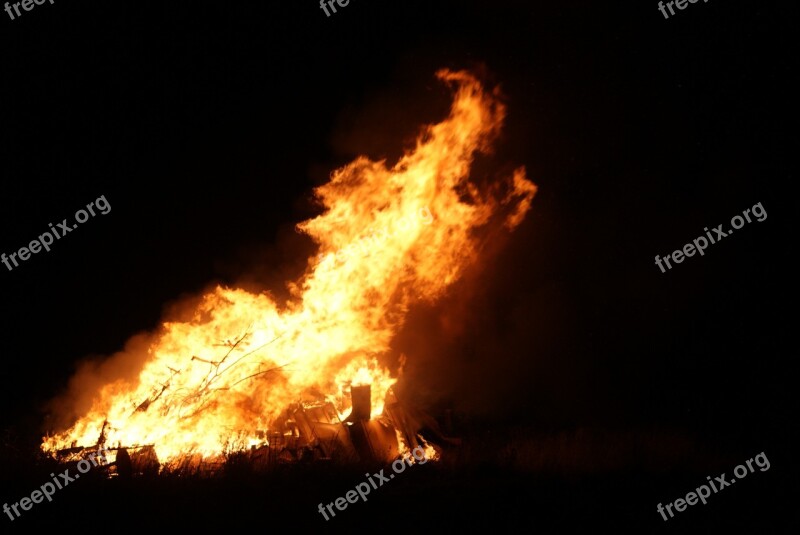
[502,481]
[590,385]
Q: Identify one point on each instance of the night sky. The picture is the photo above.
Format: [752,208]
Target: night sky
[207,125]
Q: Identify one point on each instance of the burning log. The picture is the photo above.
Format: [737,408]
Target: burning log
[361,399]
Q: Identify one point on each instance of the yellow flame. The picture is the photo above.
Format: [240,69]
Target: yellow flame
[389,237]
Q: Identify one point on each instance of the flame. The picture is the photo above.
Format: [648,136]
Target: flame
[403,451]
[389,237]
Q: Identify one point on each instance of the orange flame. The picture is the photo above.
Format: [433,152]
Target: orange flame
[388,238]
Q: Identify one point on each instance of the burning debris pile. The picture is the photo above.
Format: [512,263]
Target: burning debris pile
[304,433]
[310,378]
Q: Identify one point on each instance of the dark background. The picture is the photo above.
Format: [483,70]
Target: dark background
[206,126]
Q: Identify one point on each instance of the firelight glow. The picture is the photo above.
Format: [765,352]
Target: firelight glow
[243,358]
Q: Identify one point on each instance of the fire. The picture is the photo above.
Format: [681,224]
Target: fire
[243,358]
[429,452]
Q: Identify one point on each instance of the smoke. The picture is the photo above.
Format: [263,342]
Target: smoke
[504,343]
[96,373]
[92,375]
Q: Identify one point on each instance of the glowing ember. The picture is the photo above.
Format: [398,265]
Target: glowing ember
[242,359]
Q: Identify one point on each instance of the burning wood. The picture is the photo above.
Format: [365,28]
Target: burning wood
[309,378]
